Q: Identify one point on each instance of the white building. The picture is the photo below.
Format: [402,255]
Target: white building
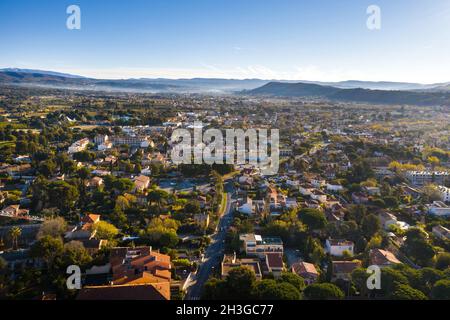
[444,193]
[441,232]
[421,178]
[246,207]
[337,247]
[79,146]
[438,208]
[334,187]
[256,245]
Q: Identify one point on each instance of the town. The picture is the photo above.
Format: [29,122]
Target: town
[87,180]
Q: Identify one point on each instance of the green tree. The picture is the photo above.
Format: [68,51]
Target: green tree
[370,225]
[74,253]
[105,230]
[47,248]
[443,261]
[240,282]
[271,290]
[313,218]
[294,279]
[15,233]
[62,195]
[406,292]
[52,227]
[441,290]
[323,291]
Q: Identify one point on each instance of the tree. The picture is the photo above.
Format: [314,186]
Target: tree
[294,279]
[47,248]
[441,290]
[406,292]
[418,247]
[192,207]
[162,232]
[215,289]
[47,168]
[240,282]
[443,261]
[62,195]
[84,156]
[105,230]
[370,225]
[158,196]
[313,218]
[271,290]
[357,213]
[15,233]
[74,253]
[52,227]
[323,291]
[390,278]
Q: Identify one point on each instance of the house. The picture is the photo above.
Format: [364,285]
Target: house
[334,187]
[230,261]
[146,171]
[146,291]
[342,270]
[382,258]
[337,247]
[305,189]
[141,183]
[319,196]
[94,245]
[100,172]
[14,211]
[421,178]
[439,208]
[307,271]
[444,193]
[131,274]
[95,182]
[202,220]
[387,219]
[246,206]
[139,265]
[85,230]
[291,203]
[78,146]
[372,191]
[274,263]
[360,198]
[254,244]
[441,232]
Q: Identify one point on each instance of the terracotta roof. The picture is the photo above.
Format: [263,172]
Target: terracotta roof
[345,266]
[153,291]
[274,259]
[91,218]
[304,268]
[382,257]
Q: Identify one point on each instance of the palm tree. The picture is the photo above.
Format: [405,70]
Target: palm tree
[15,233]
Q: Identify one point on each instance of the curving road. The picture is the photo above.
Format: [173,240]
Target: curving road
[215,250]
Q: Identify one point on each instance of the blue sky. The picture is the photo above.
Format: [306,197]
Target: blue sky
[272,39]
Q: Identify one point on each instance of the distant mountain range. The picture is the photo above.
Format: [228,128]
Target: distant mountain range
[432,96]
[352,90]
[66,81]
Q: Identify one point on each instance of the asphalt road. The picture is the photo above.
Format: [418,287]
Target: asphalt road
[214,252]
